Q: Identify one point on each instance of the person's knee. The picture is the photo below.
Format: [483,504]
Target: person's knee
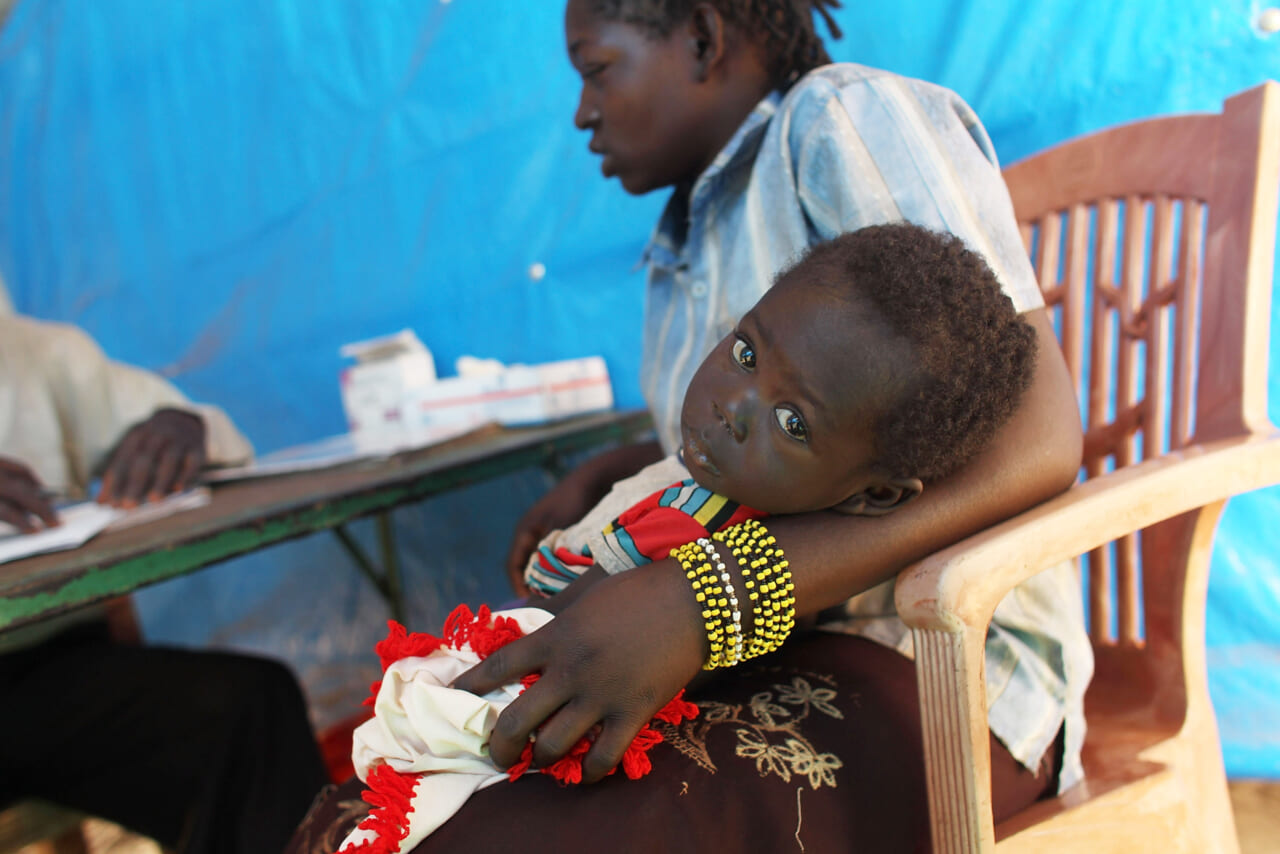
[239,691]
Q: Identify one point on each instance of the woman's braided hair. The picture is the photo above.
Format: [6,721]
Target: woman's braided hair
[783,29]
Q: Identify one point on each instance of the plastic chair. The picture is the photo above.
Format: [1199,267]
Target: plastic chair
[1153,243]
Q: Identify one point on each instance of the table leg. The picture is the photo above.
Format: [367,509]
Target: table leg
[390,566]
[387,581]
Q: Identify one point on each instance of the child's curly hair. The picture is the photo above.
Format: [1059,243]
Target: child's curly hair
[973,354]
[783,29]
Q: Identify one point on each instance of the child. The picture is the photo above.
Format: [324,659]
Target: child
[881,361]
[891,355]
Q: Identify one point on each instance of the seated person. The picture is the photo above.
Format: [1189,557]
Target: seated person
[881,361]
[90,721]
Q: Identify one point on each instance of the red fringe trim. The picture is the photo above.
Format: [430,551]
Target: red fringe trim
[390,793]
[635,761]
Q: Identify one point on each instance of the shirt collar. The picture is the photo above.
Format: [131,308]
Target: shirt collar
[664,243]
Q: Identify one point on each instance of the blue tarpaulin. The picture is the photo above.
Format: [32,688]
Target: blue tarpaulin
[228,190]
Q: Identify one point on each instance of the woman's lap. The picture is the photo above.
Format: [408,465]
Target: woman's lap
[814,748]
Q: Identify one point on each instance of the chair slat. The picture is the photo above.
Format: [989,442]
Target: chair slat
[1190,269]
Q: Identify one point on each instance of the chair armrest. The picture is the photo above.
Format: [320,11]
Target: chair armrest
[961,585]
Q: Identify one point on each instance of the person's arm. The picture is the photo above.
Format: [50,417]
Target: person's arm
[629,642]
[129,424]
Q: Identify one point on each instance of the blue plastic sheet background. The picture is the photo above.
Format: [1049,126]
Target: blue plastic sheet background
[228,190]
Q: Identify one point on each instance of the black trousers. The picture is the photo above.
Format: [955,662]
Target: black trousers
[205,752]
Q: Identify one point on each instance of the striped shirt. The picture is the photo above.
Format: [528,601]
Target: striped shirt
[850,146]
[675,512]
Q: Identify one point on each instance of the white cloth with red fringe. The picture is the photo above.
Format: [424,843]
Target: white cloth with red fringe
[426,748]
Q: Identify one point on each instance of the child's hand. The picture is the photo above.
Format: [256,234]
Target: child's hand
[613,657]
[566,503]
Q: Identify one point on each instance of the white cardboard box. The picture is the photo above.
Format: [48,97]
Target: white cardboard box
[377,389]
[516,394]
[391,395]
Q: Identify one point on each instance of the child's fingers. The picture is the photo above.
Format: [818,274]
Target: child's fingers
[560,732]
[506,664]
[607,750]
[523,718]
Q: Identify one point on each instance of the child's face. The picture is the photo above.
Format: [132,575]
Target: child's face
[779,416]
[640,100]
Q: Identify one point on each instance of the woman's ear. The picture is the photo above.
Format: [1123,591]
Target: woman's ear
[882,498]
[706,38]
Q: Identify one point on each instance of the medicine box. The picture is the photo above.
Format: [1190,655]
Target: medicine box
[392,396]
[379,387]
[517,394]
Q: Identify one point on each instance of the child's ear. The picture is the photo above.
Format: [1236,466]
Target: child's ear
[706,37]
[882,498]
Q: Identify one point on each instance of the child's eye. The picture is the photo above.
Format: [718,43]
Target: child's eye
[791,423]
[744,355]
[592,71]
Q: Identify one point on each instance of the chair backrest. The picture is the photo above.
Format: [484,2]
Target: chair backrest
[1153,244]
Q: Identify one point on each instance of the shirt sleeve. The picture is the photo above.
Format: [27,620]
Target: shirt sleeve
[876,147]
[670,517]
[98,399]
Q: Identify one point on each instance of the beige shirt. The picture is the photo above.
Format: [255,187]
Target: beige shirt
[64,405]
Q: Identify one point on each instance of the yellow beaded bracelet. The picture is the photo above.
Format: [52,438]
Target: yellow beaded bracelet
[767,584]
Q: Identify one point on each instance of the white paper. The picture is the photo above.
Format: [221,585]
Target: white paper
[82,522]
[336,450]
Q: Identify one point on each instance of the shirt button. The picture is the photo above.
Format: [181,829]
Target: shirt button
[699,289]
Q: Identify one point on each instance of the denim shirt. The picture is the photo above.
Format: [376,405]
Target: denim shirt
[846,147]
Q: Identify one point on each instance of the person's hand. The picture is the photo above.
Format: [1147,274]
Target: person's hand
[157,457]
[608,662]
[566,503]
[21,498]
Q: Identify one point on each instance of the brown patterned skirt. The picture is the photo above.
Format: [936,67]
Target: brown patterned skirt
[815,748]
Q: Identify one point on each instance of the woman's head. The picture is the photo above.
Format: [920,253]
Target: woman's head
[665,83]
[781,30]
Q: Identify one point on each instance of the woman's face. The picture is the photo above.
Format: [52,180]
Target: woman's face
[642,100]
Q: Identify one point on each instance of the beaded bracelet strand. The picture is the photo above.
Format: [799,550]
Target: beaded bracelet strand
[767,584]
[733,630]
[706,583]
